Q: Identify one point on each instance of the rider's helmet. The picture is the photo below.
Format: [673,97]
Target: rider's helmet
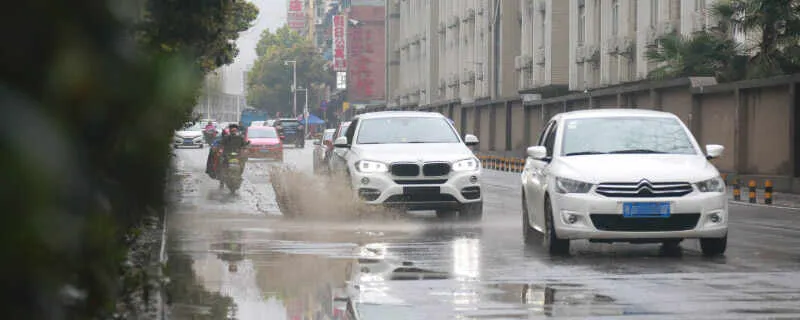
[233,128]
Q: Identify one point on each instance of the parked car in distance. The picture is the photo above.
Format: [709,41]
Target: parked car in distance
[190,136]
[414,160]
[322,150]
[290,131]
[264,143]
[258,123]
[622,175]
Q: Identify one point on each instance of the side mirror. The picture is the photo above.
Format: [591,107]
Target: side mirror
[714,151]
[341,142]
[537,152]
[470,140]
[316,142]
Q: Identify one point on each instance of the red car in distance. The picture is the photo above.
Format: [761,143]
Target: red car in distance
[264,143]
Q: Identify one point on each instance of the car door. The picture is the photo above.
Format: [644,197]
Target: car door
[537,184]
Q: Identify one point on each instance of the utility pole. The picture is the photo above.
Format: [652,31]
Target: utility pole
[305,112]
[294,84]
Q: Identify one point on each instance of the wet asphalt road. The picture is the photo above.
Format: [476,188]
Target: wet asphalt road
[417,267]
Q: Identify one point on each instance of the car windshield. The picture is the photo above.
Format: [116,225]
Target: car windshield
[261,133]
[406,130]
[199,126]
[620,135]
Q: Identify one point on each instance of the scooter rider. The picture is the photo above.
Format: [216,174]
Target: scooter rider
[232,142]
[213,155]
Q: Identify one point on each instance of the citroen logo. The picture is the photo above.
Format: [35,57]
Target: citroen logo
[644,187]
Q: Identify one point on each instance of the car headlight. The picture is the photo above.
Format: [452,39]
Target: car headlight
[466,165]
[711,185]
[367,166]
[564,185]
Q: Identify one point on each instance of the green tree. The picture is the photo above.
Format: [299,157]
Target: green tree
[281,38]
[704,53]
[107,105]
[270,79]
[205,30]
[776,23]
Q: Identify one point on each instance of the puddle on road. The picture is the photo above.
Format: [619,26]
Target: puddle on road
[552,300]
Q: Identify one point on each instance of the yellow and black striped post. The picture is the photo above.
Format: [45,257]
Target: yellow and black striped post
[752,191]
[737,190]
[768,192]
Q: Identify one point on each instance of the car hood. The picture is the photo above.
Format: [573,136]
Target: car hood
[413,152]
[257,141]
[634,167]
[188,133]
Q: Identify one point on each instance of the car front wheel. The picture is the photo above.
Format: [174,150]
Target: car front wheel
[551,242]
[714,246]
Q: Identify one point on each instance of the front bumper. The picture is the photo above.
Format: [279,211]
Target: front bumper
[419,193]
[600,218]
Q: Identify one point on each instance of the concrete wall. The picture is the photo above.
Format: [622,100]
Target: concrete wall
[755,120]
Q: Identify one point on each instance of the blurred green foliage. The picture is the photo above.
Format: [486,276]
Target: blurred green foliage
[270,80]
[92,92]
[770,30]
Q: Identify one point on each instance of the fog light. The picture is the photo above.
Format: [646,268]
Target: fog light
[569,217]
[473,179]
[572,218]
[364,180]
[715,218]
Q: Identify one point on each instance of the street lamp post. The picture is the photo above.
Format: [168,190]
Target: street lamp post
[305,113]
[294,84]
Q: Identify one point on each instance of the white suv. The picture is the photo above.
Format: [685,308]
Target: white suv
[415,160]
[623,175]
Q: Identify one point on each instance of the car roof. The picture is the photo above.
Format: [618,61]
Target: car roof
[613,112]
[393,114]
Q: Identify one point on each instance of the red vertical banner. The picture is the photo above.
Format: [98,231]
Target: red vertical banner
[296,17]
[339,43]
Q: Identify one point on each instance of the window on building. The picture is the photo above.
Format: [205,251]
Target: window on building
[654,12]
[581,24]
[699,5]
[615,17]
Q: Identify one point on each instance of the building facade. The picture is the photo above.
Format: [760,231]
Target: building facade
[441,51]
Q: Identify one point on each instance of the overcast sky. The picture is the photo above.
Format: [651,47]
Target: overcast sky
[272,15]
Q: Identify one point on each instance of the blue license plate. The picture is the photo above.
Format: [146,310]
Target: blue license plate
[264,150]
[646,209]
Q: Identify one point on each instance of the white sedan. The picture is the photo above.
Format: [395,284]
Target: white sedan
[622,175]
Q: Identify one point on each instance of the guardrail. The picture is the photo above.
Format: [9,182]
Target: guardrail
[507,164]
[753,187]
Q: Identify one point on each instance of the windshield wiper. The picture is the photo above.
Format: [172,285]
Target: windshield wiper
[636,151]
[582,153]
